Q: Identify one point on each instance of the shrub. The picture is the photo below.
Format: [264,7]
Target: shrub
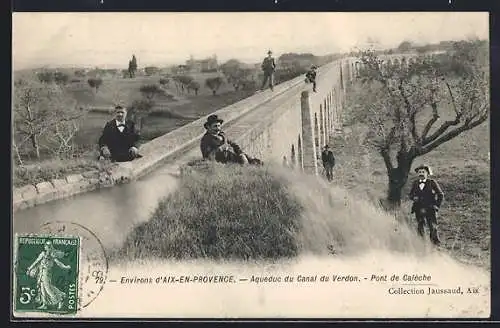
[214,84]
[95,83]
[150,91]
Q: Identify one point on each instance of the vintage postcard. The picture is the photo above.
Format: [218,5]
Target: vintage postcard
[251,165]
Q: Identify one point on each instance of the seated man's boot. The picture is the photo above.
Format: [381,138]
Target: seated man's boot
[243,159]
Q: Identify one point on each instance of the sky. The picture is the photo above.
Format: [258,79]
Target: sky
[109,39]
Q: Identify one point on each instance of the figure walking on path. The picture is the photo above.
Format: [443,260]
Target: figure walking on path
[427,197]
[268,67]
[48,295]
[328,162]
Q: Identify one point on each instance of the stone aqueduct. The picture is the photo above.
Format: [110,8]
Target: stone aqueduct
[287,126]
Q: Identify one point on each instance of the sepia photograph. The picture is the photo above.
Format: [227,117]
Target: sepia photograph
[250,165]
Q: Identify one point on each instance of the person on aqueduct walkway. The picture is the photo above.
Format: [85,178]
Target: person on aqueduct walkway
[216,146]
[311,77]
[119,138]
[268,67]
[427,197]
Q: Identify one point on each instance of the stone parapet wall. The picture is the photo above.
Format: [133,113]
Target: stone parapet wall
[43,192]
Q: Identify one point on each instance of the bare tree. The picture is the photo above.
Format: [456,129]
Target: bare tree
[41,112]
[141,108]
[193,85]
[214,84]
[411,110]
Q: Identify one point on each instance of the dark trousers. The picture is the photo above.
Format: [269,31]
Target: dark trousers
[120,156]
[313,83]
[329,172]
[429,217]
[230,157]
[268,77]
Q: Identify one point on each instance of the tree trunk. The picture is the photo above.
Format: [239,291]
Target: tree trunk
[213,92]
[397,179]
[394,192]
[34,143]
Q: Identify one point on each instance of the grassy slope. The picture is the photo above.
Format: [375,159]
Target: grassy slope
[462,168]
[261,213]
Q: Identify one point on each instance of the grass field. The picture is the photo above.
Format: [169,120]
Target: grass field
[125,90]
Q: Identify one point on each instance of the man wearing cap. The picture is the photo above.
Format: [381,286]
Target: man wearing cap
[268,67]
[119,138]
[311,77]
[328,162]
[427,197]
[215,146]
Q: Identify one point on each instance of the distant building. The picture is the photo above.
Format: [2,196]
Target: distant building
[203,65]
[166,70]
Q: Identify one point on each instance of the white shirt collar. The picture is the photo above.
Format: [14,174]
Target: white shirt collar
[422,180]
[118,123]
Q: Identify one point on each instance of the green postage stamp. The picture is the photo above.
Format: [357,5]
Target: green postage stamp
[46,274]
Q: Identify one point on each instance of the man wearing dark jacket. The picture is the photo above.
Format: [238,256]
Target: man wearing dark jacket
[119,138]
[427,197]
[215,146]
[268,67]
[328,162]
[311,77]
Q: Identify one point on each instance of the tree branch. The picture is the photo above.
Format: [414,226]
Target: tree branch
[469,124]
[387,158]
[411,114]
[452,98]
[435,117]
[390,137]
[445,126]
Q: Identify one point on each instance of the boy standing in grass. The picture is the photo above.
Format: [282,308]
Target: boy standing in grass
[427,197]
